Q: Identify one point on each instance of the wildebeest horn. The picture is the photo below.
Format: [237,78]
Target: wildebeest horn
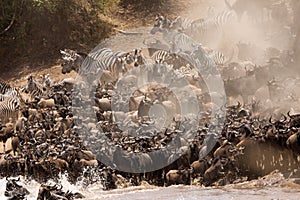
[240,126]
[284,118]
[270,120]
[166,131]
[256,129]
[60,187]
[289,114]
[258,119]
[55,187]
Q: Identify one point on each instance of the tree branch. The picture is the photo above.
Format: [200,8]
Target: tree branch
[10,24]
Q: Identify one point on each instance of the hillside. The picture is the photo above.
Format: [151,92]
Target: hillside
[32,32]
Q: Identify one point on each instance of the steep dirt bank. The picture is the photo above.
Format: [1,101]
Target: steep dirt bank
[32,44]
[39,31]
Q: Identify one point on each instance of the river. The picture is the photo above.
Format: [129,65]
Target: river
[273,186]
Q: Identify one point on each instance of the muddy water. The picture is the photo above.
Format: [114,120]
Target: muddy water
[273,186]
[193,193]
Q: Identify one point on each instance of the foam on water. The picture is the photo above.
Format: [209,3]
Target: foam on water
[273,186]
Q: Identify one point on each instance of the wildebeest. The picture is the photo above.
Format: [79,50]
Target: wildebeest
[293,142]
[244,86]
[55,192]
[14,190]
[199,167]
[220,166]
[179,177]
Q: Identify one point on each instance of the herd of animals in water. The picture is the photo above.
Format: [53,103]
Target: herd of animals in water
[49,128]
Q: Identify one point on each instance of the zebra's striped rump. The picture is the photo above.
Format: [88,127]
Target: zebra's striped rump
[9,108]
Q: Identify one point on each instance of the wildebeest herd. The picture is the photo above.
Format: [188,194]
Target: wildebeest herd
[43,136]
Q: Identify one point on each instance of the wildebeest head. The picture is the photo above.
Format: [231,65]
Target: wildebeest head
[12,184]
[294,120]
[14,190]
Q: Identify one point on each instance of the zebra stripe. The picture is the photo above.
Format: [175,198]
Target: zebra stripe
[9,108]
[100,54]
[161,56]
[217,57]
[34,88]
[3,97]
[7,90]
[215,23]
[120,54]
[46,80]
[136,58]
[111,63]
[179,42]
[161,22]
[4,87]
[205,64]
[94,62]
[141,59]
[181,24]
[182,43]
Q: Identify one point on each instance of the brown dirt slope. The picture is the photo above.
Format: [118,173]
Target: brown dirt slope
[33,42]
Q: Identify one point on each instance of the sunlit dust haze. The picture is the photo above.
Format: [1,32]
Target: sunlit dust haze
[264,34]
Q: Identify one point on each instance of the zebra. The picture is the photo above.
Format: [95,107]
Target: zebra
[4,87]
[216,23]
[205,64]
[254,9]
[72,60]
[100,54]
[217,56]
[179,42]
[137,58]
[213,22]
[3,97]
[181,24]
[6,91]
[10,108]
[161,56]
[95,62]
[161,22]
[46,80]
[182,43]
[186,47]
[111,63]
[34,88]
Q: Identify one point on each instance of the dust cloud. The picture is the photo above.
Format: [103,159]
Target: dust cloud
[262,36]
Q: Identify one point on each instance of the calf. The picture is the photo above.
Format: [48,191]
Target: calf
[179,177]
[199,167]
